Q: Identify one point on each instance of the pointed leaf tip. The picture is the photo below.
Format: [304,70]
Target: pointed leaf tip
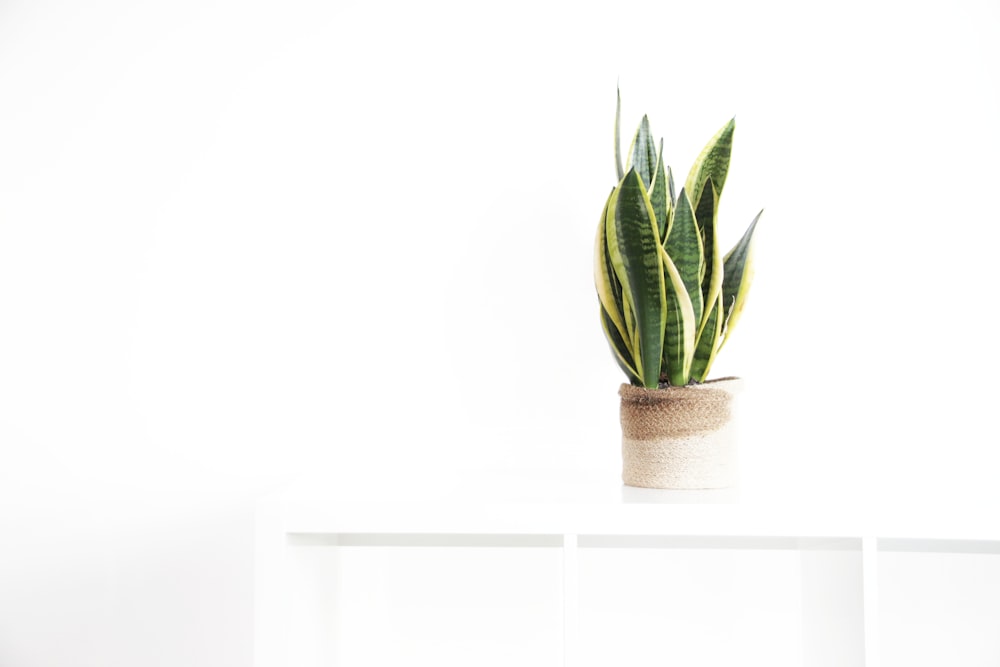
[618,147]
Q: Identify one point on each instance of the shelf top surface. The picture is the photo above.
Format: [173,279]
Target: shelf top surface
[582,502]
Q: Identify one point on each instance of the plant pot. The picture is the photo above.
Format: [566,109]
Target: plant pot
[679,437]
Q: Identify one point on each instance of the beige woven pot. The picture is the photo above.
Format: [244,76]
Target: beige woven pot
[679,437]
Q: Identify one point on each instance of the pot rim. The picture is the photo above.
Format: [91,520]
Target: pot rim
[729,383]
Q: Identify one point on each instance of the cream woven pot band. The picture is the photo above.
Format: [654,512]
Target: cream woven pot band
[679,437]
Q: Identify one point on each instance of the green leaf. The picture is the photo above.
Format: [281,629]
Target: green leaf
[705,217]
[679,335]
[619,347]
[658,195]
[684,247]
[618,142]
[632,337]
[712,163]
[634,248]
[670,187]
[642,154]
[608,287]
[738,276]
[708,340]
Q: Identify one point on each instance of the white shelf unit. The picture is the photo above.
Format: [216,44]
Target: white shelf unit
[557,581]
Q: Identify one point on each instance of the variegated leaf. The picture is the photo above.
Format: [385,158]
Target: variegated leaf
[679,335]
[711,276]
[632,336]
[658,195]
[604,278]
[708,343]
[670,187]
[738,276]
[684,247]
[619,348]
[642,154]
[713,162]
[634,250]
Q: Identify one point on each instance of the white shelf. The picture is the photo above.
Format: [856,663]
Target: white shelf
[576,560]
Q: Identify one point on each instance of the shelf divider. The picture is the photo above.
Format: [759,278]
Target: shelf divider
[571,601]
[869,559]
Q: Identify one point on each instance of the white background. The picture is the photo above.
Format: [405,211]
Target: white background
[244,240]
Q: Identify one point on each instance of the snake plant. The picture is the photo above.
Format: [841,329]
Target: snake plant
[669,299]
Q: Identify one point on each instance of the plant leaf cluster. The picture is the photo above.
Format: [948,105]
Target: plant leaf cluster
[669,298]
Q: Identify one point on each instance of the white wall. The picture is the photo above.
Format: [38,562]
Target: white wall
[231,231]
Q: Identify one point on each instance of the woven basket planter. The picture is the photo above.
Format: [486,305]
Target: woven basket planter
[679,437]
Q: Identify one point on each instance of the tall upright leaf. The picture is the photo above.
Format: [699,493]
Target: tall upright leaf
[679,335]
[705,217]
[738,276]
[684,247]
[670,186]
[712,163]
[642,154]
[658,195]
[634,249]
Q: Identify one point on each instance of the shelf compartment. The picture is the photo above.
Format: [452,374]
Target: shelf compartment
[366,600]
[939,602]
[710,600]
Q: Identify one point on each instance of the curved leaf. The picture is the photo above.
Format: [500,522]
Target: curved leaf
[608,289]
[634,248]
[708,343]
[738,276]
[619,347]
